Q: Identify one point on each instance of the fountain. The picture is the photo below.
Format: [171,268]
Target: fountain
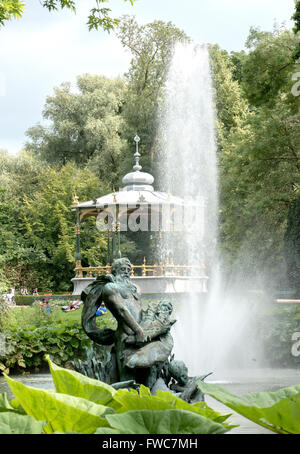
[215,328]
[188,160]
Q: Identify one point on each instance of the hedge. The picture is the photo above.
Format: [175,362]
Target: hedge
[27,300]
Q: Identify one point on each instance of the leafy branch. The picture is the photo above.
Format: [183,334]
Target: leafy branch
[98,18]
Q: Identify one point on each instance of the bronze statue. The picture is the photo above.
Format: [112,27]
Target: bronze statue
[142,343]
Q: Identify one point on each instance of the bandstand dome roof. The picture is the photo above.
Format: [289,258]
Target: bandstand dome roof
[138,190]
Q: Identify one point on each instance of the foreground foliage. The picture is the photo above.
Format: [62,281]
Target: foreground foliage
[278,411]
[84,405]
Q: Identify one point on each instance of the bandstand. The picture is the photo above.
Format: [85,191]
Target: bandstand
[120,211]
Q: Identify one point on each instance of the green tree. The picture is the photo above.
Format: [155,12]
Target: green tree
[231,105]
[48,223]
[237,59]
[37,245]
[292,246]
[260,161]
[267,70]
[260,166]
[85,127]
[10,9]
[296,17]
[19,179]
[99,16]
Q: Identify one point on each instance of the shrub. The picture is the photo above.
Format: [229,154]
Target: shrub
[6,315]
[27,347]
[24,300]
[31,332]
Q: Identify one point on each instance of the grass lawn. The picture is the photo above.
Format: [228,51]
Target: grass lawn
[28,313]
[30,316]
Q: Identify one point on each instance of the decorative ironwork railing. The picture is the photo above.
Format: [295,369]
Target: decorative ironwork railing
[145,270]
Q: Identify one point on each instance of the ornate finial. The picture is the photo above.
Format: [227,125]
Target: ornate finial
[115,196]
[137,155]
[136,180]
[75,200]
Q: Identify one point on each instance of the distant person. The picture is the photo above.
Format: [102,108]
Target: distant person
[73,305]
[45,306]
[101,310]
[35,292]
[43,302]
[77,303]
[12,296]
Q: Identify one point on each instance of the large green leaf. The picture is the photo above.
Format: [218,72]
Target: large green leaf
[162,422]
[75,384]
[163,400]
[200,408]
[4,403]
[278,411]
[15,404]
[63,412]
[12,423]
[10,406]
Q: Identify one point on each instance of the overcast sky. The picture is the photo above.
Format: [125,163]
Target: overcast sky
[42,49]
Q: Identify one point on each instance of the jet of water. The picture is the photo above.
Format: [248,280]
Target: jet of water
[208,334]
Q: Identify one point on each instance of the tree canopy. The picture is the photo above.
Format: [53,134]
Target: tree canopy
[84,127]
[260,161]
[37,245]
[296,18]
[292,245]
